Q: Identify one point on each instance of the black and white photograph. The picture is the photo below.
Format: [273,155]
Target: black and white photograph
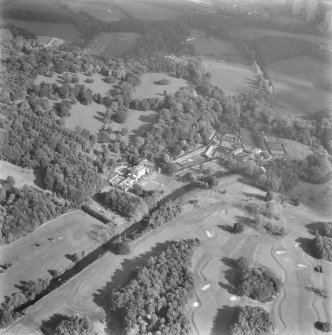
[165,167]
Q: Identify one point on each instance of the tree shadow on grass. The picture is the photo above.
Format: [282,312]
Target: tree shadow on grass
[306,246]
[245,181]
[223,320]
[315,227]
[100,116]
[121,277]
[227,228]
[48,327]
[39,178]
[230,275]
[246,221]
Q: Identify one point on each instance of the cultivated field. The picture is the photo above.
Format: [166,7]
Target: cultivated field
[147,88]
[65,31]
[102,10]
[233,78]
[149,10]
[294,310]
[48,246]
[112,44]
[216,48]
[33,5]
[22,176]
[297,84]
[256,33]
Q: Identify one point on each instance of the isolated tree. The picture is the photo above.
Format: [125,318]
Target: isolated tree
[10,182]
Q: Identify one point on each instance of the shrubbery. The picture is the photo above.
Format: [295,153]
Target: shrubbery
[251,320]
[124,203]
[165,213]
[322,247]
[95,214]
[74,325]
[258,282]
[324,326]
[121,246]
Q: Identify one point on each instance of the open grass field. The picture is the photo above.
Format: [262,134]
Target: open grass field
[210,311]
[297,84]
[232,78]
[149,10]
[247,137]
[86,116]
[65,31]
[139,122]
[315,196]
[295,150]
[256,33]
[112,44]
[33,5]
[215,47]
[22,176]
[69,233]
[147,88]
[101,9]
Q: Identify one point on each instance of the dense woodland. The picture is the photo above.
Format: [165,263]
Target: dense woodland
[250,320]
[155,298]
[23,210]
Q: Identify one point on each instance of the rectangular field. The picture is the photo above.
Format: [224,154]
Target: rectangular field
[102,10]
[65,31]
[149,10]
[297,84]
[112,44]
[232,78]
[215,47]
[48,248]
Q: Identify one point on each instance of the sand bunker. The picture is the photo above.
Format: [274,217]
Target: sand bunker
[196,304]
[280,252]
[234,298]
[208,233]
[301,265]
[205,287]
